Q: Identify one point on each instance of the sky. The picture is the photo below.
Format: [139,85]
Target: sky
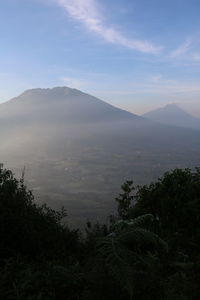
[135,54]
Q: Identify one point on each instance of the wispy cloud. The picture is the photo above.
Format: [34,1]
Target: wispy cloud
[170,87]
[196,56]
[75,82]
[182,49]
[148,87]
[88,13]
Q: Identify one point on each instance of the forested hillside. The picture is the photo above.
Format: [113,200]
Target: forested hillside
[148,250]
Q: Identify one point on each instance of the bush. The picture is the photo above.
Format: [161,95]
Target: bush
[27,229]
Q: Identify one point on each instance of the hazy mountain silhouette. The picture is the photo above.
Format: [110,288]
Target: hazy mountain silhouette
[172,114]
[78,150]
[60,104]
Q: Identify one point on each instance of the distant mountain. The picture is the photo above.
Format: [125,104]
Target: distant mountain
[172,114]
[78,150]
[60,104]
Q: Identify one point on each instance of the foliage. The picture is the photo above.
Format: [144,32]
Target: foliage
[125,198]
[149,250]
[28,229]
[131,251]
[174,201]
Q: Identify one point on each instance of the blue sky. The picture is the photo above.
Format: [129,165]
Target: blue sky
[135,54]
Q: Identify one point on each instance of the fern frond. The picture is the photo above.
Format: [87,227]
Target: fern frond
[143,239]
[143,221]
[117,259]
[131,250]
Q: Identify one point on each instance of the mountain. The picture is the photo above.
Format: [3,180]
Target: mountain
[172,114]
[60,104]
[77,150]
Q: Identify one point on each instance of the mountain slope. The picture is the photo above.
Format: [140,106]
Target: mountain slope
[60,104]
[171,114]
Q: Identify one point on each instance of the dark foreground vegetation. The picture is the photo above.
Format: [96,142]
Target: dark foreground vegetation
[149,250]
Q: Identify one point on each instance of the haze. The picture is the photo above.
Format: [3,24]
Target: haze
[93,93]
[77,149]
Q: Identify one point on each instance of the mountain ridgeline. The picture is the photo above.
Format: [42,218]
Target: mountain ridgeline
[77,149]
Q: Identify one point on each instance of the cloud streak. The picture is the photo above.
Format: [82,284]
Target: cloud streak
[88,13]
[182,49]
[196,56]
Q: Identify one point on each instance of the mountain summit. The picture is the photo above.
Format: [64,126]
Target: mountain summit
[61,104]
[172,114]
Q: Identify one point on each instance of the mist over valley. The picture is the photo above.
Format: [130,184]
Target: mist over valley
[77,149]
